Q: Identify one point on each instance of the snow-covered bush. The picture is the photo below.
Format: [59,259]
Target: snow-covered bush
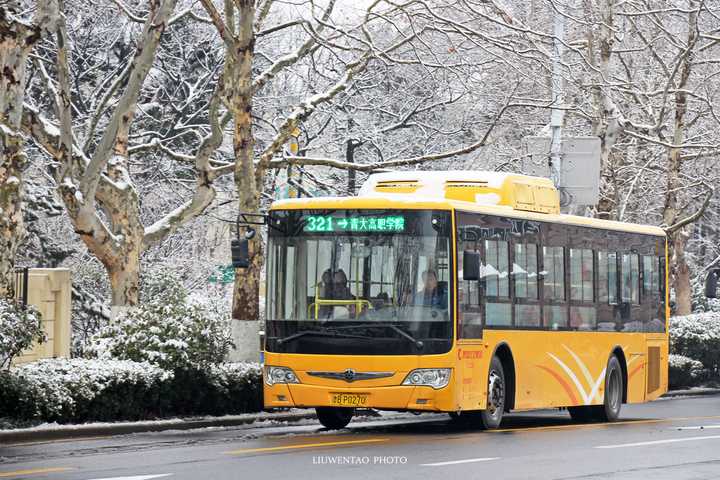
[81,390]
[166,329]
[218,389]
[685,372]
[78,389]
[20,327]
[697,337]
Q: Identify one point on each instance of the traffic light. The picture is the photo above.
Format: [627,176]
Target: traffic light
[240,252]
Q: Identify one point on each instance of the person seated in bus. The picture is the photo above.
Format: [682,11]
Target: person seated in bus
[434,293]
[325,284]
[341,289]
[336,289]
[326,292]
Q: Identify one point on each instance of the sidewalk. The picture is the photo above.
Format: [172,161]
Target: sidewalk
[692,392]
[47,432]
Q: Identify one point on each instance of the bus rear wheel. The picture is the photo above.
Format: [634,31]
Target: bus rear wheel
[334,418]
[609,411]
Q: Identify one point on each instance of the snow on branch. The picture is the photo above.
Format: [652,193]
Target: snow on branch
[710,191]
[377,166]
[204,193]
[306,108]
[309,46]
[123,113]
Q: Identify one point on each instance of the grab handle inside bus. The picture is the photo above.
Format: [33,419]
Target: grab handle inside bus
[471,265]
[711,283]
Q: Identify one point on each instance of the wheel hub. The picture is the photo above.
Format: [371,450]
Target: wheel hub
[496,392]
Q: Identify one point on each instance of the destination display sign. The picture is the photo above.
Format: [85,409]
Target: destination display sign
[328,223]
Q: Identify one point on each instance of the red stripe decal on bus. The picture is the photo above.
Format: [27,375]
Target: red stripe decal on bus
[564,384]
[635,370]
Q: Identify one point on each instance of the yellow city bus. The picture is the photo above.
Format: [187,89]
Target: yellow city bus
[461,292]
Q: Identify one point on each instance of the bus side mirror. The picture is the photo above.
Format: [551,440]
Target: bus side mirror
[471,265]
[240,253]
[711,283]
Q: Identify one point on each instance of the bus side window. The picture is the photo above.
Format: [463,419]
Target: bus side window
[630,279]
[612,278]
[553,275]
[525,279]
[469,312]
[651,294]
[584,316]
[495,274]
[660,312]
[630,292]
[607,288]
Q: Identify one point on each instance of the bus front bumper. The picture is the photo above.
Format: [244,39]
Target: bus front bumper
[400,397]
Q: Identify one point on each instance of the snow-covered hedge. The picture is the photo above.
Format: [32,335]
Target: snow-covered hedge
[80,390]
[20,327]
[166,330]
[697,337]
[685,372]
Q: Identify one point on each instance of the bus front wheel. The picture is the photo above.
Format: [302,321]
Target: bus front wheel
[492,415]
[609,411]
[334,418]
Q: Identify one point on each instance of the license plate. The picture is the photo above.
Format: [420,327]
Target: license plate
[349,399]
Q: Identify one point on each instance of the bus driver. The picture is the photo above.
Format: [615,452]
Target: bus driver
[433,294]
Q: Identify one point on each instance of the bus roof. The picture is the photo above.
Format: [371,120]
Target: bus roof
[415,203]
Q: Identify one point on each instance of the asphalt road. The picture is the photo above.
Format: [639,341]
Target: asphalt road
[675,439]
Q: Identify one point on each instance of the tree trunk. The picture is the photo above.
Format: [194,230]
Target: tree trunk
[680,279]
[17,40]
[604,123]
[125,281]
[683,289]
[12,230]
[246,292]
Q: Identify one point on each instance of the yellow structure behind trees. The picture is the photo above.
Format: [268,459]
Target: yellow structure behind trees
[49,290]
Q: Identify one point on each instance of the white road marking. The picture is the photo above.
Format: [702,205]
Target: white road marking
[698,427]
[136,477]
[456,462]
[660,442]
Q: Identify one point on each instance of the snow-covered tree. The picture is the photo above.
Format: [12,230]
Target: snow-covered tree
[20,31]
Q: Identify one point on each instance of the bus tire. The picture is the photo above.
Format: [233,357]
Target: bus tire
[609,411]
[334,418]
[491,417]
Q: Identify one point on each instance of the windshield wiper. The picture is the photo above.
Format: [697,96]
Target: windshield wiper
[418,343]
[320,333]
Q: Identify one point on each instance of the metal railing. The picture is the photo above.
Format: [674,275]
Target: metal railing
[22,276]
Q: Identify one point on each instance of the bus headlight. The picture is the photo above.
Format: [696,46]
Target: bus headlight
[274,375]
[430,377]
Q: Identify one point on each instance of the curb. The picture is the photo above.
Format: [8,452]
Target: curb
[82,431]
[694,392]
[79,432]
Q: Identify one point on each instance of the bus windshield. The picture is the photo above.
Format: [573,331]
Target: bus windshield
[359,282]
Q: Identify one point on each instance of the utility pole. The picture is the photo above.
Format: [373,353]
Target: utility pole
[350,146]
[350,158]
[557,116]
[293,148]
